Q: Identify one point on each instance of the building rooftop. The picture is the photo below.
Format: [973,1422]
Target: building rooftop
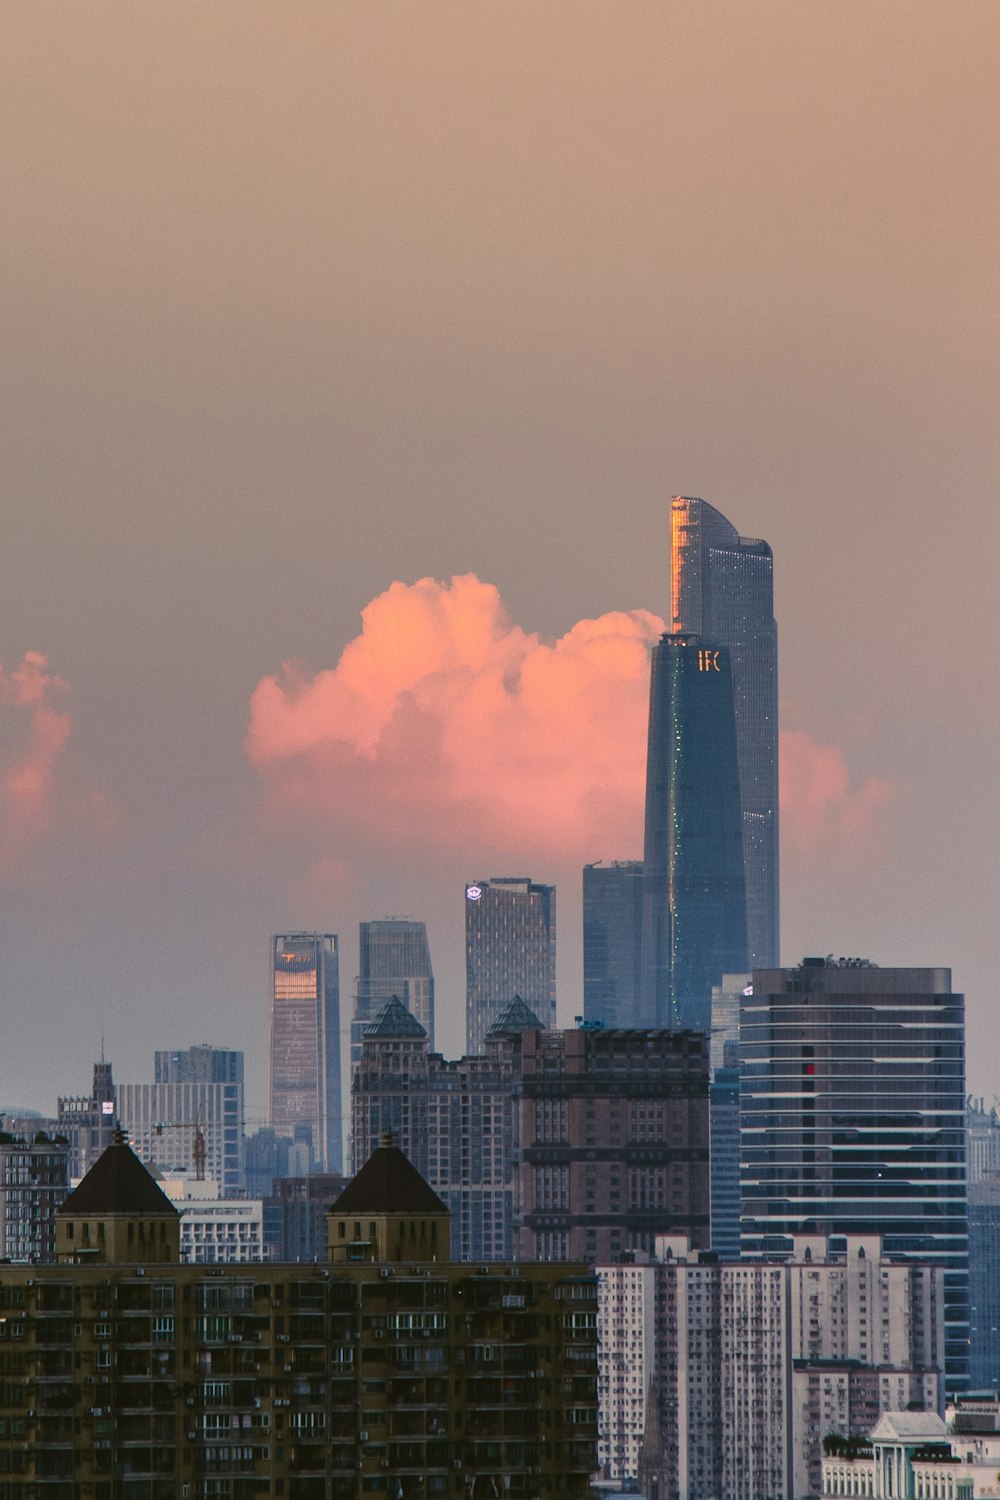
[515,1017]
[910,1426]
[394,1020]
[388,1183]
[118,1183]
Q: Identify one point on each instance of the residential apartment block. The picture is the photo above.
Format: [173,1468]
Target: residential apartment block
[752,1365]
[614,1142]
[33,1183]
[454,1120]
[125,1375]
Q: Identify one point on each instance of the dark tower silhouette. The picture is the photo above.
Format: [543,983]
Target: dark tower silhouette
[721,588]
[694,894]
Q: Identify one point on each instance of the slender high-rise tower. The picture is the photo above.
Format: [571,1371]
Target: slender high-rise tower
[305,1041]
[612,942]
[694,926]
[510,949]
[395,961]
[721,588]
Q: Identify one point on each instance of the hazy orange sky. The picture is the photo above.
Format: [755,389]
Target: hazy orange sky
[304,304]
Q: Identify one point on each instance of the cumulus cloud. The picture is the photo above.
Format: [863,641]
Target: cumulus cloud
[820,810]
[447,728]
[35,729]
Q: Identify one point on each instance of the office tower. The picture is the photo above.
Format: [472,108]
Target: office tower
[382,1372]
[984,1285]
[727,997]
[202,1064]
[724,1111]
[694,895]
[510,949]
[34,1180]
[754,1365]
[295,1216]
[721,588]
[612,942]
[88,1121]
[305,1041]
[193,1128]
[853,1118]
[395,959]
[614,1134]
[454,1120]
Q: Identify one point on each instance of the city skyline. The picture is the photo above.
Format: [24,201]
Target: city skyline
[305,310]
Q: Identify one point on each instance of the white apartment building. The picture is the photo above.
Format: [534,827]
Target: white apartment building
[626,1307]
[755,1363]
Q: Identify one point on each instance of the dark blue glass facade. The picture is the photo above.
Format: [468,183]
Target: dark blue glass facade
[694,896]
[612,942]
[722,589]
[510,949]
[852,1118]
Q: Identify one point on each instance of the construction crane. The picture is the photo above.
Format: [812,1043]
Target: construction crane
[199,1151]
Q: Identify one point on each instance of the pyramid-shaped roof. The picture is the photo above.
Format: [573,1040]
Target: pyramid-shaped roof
[389,1183]
[118,1183]
[394,1020]
[515,1017]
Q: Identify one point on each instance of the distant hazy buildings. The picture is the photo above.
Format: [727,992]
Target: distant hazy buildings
[853,1118]
[614,1141]
[394,959]
[195,1128]
[727,997]
[510,949]
[722,589]
[612,942]
[752,1365]
[984,1285]
[454,1120]
[983,1141]
[88,1121]
[694,893]
[305,1041]
[201,1064]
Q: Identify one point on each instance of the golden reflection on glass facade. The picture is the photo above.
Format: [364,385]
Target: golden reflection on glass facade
[305,1042]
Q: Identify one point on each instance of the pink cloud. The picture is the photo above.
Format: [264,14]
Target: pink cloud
[37,730]
[820,810]
[447,728]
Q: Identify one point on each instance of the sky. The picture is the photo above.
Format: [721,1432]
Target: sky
[351,356]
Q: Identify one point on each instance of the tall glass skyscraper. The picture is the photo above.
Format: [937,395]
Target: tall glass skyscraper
[305,1042]
[510,949]
[721,588]
[853,1118]
[612,942]
[395,961]
[694,896]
